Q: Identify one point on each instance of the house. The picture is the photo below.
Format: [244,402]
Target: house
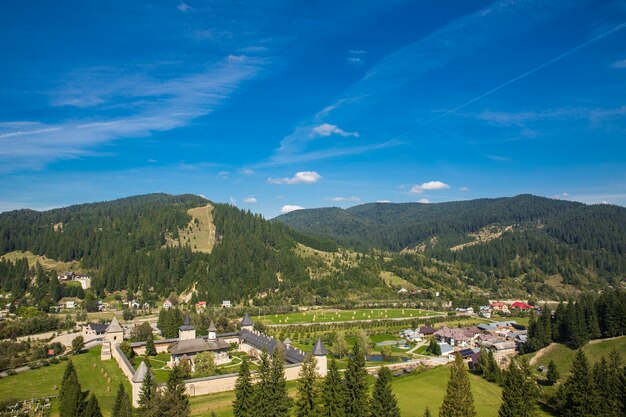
[455,337]
[167,305]
[522,306]
[200,306]
[411,335]
[485,311]
[465,311]
[226,304]
[134,304]
[500,307]
[70,304]
[426,331]
[446,350]
[94,329]
[84,280]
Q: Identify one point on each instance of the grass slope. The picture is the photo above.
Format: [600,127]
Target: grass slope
[41,382]
[47,263]
[201,235]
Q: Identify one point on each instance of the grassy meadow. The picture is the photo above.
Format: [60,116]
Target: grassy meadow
[326,316]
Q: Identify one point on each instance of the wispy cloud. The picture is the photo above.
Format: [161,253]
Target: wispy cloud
[464,189]
[351,199]
[619,64]
[559,114]
[150,105]
[355,60]
[249,200]
[183,7]
[247,171]
[304,177]
[383,201]
[423,201]
[428,186]
[326,129]
[290,207]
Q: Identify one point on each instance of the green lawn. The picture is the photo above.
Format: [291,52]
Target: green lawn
[158,363]
[325,316]
[45,381]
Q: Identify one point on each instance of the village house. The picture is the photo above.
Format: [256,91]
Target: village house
[485,311]
[94,329]
[426,331]
[521,305]
[167,305]
[200,306]
[226,304]
[500,307]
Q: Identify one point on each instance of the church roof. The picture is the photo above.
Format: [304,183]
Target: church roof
[287,341]
[141,372]
[262,342]
[319,349]
[247,321]
[197,345]
[186,324]
[114,326]
[212,327]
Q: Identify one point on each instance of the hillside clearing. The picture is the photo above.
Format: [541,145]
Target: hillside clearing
[47,263]
[200,232]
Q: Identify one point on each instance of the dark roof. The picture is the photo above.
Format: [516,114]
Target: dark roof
[319,349]
[212,327]
[466,352]
[186,324]
[427,330]
[247,321]
[197,345]
[98,327]
[268,344]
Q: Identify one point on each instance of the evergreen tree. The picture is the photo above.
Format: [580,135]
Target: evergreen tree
[122,406]
[332,393]
[176,389]
[356,387]
[602,385]
[558,327]
[307,403]
[384,403]
[577,395]
[458,401]
[433,347]
[493,373]
[69,371]
[150,348]
[204,365]
[243,405]
[262,390]
[614,394]
[427,412]
[553,374]
[72,398]
[147,392]
[92,408]
[281,403]
[517,392]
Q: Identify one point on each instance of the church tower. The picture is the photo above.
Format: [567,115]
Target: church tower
[186,331]
[246,323]
[212,332]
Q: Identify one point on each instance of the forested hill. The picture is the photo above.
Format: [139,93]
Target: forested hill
[124,244]
[502,237]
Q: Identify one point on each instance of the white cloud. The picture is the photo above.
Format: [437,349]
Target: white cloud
[326,129]
[290,207]
[183,7]
[357,51]
[223,174]
[562,196]
[355,60]
[352,199]
[464,189]
[428,186]
[383,201]
[249,200]
[619,64]
[423,201]
[247,171]
[304,177]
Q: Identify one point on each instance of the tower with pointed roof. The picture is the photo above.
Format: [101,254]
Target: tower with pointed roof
[320,352]
[113,336]
[212,332]
[246,323]
[137,380]
[186,331]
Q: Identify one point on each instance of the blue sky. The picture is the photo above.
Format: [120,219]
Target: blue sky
[275,105]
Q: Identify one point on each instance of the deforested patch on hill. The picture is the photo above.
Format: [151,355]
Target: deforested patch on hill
[199,234]
[484,235]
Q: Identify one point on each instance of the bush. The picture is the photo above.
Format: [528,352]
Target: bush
[11,372]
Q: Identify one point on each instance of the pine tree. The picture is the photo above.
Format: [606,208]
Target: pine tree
[243,405]
[493,373]
[150,348]
[122,406]
[356,387]
[518,399]
[553,374]
[427,412]
[384,403]
[558,328]
[147,392]
[262,390]
[176,388]
[602,385]
[332,393]
[614,394]
[577,396]
[458,401]
[92,408]
[69,370]
[281,403]
[307,402]
[72,398]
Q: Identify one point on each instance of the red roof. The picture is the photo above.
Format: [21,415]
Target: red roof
[498,304]
[522,305]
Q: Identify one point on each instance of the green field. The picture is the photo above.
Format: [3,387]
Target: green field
[563,356]
[326,316]
[45,381]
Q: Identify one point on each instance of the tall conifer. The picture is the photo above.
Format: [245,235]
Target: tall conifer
[384,403]
[332,393]
[458,401]
[243,405]
[356,387]
[92,408]
[307,404]
[577,395]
